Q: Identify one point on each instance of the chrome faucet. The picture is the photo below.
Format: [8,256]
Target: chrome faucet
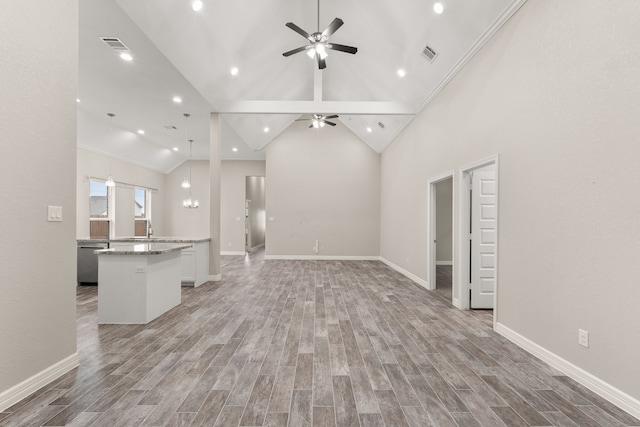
[149,229]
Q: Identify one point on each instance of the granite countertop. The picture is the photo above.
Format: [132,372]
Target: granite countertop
[160,239]
[143,249]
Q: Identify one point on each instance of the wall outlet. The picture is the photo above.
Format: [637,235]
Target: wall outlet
[583,338]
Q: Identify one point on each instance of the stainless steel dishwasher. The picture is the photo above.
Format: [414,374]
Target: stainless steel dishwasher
[88,262]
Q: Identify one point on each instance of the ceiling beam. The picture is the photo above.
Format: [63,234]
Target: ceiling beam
[313,107]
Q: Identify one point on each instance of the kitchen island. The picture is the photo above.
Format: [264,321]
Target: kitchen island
[194,259]
[138,282]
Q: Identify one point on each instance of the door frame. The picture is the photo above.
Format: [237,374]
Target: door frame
[431,229]
[462,281]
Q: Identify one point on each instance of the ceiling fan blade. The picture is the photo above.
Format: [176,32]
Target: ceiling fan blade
[330,123]
[299,49]
[335,116]
[321,63]
[342,48]
[311,125]
[333,27]
[299,30]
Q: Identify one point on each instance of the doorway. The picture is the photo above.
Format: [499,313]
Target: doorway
[441,234]
[254,213]
[477,241]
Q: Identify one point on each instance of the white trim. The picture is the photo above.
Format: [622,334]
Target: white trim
[406,273]
[257,247]
[232,253]
[18,392]
[214,278]
[444,262]
[590,381]
[323,257]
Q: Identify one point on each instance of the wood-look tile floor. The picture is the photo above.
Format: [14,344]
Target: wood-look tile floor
[307,343]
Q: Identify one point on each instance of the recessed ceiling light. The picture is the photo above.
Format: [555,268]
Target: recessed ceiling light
[438,8]
[369,130]
[234,71]
[266,129]
[402,72]
[177,99]
[234,149]
[197,5]
[175,148]
[77,99]
[126,56]
[141,131]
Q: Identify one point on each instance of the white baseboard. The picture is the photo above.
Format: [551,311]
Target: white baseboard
[323,257]
[257,247]
[444,262]
[401,270]
[215,278]
[593,383]
[18,392]
[232,253]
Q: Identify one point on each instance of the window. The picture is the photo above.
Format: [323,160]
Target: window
[142,209]
[99,210]
[140,199]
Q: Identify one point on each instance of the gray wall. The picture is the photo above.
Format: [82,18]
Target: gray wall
[322,185]
[564,121]
[256,193]
[38,79]
[444,210]
[233,175]
[179,221]
[97,165]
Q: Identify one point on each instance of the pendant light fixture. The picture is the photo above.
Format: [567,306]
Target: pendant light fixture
[189,203]
[110,182]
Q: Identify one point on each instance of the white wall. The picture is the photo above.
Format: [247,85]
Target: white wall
[91,164]
[179,221]
[444,210]
[556,93]
[256,189]
[38,79]
[233,175]
[322,185]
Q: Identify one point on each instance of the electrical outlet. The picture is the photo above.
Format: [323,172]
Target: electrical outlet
[583,338]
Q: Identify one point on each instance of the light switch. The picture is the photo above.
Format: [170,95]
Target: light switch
[271,219]
[54,213]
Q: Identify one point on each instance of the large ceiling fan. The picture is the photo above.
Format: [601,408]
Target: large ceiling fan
[319,41]
[318,120]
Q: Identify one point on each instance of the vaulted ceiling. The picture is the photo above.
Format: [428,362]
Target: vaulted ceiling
[180,52]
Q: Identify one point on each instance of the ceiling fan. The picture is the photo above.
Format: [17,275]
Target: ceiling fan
[319,41]
[318,120]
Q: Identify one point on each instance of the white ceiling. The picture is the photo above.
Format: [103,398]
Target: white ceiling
[180,52]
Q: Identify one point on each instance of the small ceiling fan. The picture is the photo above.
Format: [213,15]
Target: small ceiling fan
[318,120]
[319,41]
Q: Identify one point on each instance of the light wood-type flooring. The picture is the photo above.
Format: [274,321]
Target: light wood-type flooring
[307,343]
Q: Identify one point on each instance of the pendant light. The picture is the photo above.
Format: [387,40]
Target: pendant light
[189,203]
[110,182]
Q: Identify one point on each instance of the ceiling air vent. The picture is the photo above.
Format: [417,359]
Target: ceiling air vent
[381,125]
[115,43]
[170,127]
[429,53]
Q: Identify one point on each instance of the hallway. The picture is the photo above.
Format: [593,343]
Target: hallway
[304,343]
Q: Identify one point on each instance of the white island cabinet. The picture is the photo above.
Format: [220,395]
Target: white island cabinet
[139,282]
[194,260]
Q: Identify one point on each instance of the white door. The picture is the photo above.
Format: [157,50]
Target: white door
[483,238]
